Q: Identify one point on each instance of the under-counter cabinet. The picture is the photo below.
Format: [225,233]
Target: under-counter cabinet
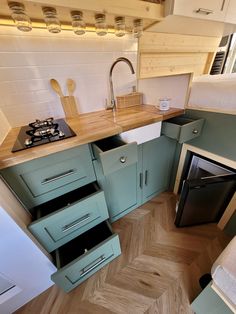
[116,167]
[156,159]
[74,229]
[69,212]
[60,220]
[140,172]
[42,179]
[82,257]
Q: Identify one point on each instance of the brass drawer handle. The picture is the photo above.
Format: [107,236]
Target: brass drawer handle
[75,223]
[123,159]
[59,176]
[195,131]
[204,11]
[91,266]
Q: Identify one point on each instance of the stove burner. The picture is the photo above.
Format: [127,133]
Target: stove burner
[42,132]
[38,123]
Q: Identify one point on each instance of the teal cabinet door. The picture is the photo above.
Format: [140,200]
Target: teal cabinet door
[209,302]
[120,188]
[157,162]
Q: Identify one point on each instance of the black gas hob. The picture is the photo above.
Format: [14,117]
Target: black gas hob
[42,132]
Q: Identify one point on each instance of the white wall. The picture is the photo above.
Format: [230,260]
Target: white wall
[29,60]
[4,126]
[21,261]
[174,87]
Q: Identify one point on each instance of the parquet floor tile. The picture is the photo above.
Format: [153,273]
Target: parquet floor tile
[157,273]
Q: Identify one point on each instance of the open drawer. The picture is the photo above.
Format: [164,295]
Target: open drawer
[182,128]
[80,258]
[114,154]
[64,218]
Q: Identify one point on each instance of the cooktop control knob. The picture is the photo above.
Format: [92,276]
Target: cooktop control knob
[28,142]
[61,134]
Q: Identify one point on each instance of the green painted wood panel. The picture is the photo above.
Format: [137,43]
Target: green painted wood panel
[61,226]
[182,128]
[158,158]
[120,188]
[218,134]
[45,178]
[73,274]
[115,158]
[208,302]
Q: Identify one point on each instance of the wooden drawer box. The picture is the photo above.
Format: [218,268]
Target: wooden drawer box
[182,128]
[40,180]
[80,258]
[114,154]
[62,219]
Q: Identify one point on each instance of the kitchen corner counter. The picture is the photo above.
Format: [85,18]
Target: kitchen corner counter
[89,127]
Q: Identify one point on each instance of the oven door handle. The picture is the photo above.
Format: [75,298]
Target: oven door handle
[59,176]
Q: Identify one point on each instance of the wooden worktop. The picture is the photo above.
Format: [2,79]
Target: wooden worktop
[88,127]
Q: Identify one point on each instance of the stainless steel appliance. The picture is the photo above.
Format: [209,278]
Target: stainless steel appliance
[42,132]
[205,193]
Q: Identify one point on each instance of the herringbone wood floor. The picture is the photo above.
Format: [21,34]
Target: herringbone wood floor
[157,272]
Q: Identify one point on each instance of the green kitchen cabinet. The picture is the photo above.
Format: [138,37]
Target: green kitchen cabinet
[120,181]
[136,182]
[156,159]
[40,180]
[209,302]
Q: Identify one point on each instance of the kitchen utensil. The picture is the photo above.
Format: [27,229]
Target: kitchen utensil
[56,87]
[70,86]
[69,106]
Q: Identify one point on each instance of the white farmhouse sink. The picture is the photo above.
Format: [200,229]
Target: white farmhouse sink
[142,134]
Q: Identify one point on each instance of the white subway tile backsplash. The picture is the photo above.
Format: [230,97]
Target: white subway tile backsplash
[4,126]
[29,60]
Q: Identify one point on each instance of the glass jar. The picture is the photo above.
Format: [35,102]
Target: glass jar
[119,26]
[51,20]
[137,28]
[22,21]
[100,24]
[78,25]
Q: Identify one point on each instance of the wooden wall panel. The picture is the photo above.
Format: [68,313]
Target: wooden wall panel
[159,64]
[169,54]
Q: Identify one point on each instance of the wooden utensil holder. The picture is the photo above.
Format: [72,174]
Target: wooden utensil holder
[129,100]
[69,106]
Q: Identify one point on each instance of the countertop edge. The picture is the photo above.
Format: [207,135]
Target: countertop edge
[138,116]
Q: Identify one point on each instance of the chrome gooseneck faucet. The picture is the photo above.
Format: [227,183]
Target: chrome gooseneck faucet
[113,102]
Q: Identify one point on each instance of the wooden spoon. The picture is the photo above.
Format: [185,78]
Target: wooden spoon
[70,86]
[56,87]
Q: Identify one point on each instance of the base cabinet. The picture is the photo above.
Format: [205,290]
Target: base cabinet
[209,302]
[156,159]
[80,258]
[134,184]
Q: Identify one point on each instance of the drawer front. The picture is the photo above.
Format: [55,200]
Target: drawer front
[182,133]
[190,130]
[117,158]
[40,180]
[83,267]
[58,228]
[50,176]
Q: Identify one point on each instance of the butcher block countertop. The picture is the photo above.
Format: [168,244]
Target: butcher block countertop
[88,127]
